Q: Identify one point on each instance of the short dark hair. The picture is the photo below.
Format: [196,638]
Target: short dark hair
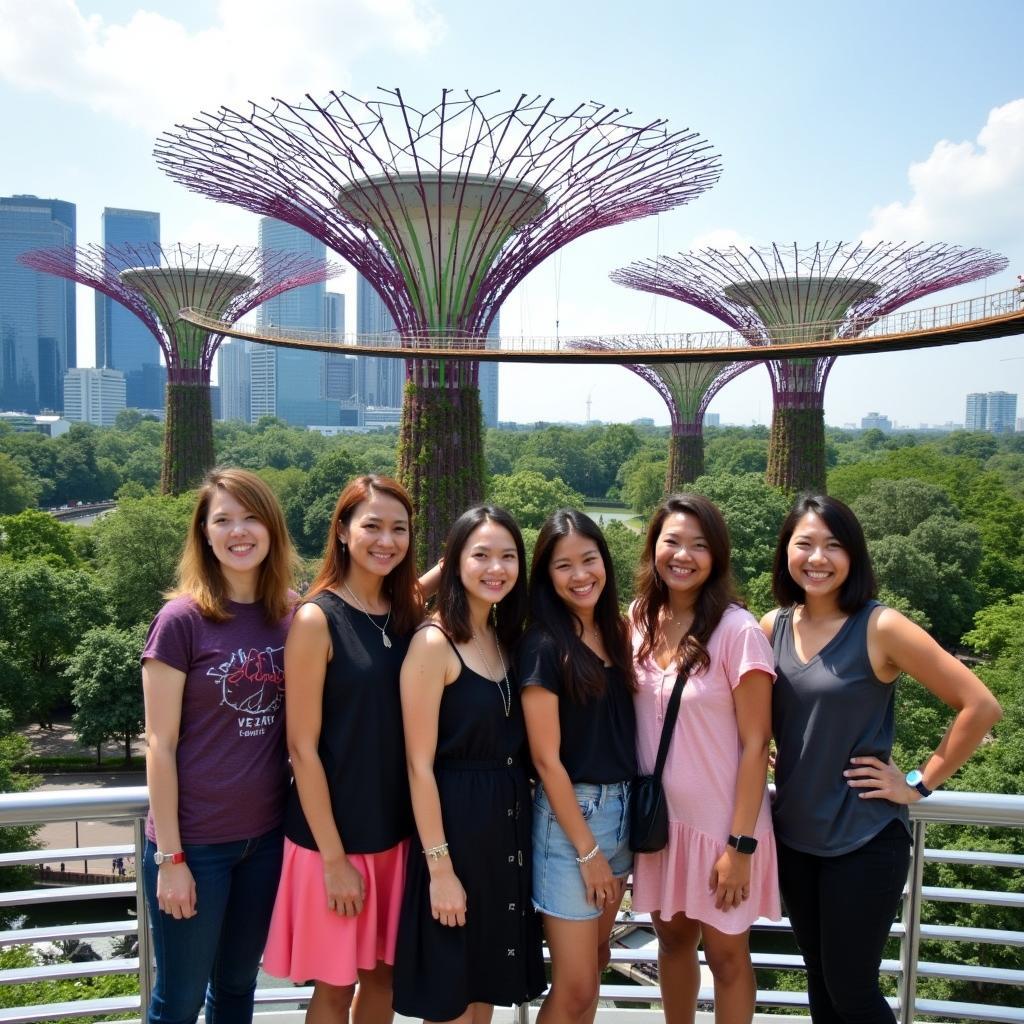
[583,674]
[859,587]
[452,606]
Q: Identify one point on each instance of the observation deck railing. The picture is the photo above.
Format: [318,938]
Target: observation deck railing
[129,805]
[1004,305]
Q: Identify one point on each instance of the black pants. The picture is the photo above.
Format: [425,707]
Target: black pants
[841,909]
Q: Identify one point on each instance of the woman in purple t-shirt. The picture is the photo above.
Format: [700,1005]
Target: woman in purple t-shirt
[213,680]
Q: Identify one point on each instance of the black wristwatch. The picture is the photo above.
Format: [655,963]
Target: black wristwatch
[743,844]
[915,778]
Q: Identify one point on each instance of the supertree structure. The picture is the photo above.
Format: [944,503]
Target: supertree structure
[444,211]
[839,289]
[155,282]
[687,389]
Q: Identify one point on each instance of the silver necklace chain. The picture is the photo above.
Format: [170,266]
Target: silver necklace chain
[383,629]
[506,694]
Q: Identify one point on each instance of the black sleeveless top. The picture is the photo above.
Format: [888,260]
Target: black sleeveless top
[825,711]
[362,745]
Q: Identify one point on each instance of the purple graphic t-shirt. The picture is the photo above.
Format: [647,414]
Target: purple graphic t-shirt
[232,766]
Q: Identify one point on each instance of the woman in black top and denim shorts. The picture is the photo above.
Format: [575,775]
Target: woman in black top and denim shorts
[576,674]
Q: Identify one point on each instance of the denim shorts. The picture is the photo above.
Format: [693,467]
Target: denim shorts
[558,887]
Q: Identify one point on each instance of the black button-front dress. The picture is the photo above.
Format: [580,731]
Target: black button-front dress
[485,805]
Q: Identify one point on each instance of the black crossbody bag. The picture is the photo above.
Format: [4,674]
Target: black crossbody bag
[648,812]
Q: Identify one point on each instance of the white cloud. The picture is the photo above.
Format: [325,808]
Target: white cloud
[151,70]
[971,193]
[721,238]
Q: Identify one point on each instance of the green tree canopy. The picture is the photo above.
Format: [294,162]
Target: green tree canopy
[18,490]
[530,498]
[35,534]
[137,551]
[106,689]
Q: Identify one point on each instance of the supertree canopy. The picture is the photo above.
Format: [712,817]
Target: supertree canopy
[155,282]
[444,211]
[838,289]
[687,389]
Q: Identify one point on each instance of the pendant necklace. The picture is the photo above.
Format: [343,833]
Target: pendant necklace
[383,629]
[506,694]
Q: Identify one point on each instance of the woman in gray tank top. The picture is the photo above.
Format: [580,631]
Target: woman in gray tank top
[840,811]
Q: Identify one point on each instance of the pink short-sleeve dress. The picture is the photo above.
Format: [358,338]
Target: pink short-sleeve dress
[700,782]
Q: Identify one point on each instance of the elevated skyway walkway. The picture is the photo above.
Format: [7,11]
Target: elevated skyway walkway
[990,316]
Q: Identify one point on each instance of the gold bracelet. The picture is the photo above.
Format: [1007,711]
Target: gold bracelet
[588,857]
[437,852]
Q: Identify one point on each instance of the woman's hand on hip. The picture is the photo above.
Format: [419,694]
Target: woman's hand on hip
[880,781]
[176,890]
[730,879]
[345,887]
[447,899]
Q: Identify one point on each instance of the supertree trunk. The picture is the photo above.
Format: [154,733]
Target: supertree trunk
[188,433]
[796,451]
[685,461]
[440,452]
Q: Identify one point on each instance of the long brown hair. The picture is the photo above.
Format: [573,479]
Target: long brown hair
[583,674]
[718,592]
[199,573]
[400,587]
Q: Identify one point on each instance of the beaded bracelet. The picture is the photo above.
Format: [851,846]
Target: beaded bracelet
[437,852]
[588,857]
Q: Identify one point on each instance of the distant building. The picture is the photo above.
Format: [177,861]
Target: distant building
[94,395]
[36,423]
[994,411]
[38,334]
[379,381]
[123,342]
[975,415]
[712,419]
[876,421]
[487,378]
[234,370]
[292,383]
[1001,415]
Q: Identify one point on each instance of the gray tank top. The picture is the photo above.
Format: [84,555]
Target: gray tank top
[824,712]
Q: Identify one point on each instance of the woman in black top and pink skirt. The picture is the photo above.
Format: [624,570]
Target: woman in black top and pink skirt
[840,811]
[348,818]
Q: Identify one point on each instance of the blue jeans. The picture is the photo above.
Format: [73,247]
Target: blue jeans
[214,955]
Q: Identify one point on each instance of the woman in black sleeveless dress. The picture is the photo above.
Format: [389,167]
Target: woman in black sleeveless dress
[468,936]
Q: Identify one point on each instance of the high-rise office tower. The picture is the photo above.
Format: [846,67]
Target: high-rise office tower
[380,381]
[487,380]
[234,377]
[123,342]
[93,395]
[975,416]
[292,383]
[1001,413]
[339,374]
[37,311]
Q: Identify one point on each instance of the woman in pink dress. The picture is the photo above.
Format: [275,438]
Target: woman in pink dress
[718,871]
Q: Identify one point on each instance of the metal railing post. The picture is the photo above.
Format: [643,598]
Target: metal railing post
[521,1014]
[911,941]
[142,916]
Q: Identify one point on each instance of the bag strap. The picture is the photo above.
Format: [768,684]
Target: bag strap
[671,714]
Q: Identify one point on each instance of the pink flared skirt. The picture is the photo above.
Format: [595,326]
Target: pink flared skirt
[308,942]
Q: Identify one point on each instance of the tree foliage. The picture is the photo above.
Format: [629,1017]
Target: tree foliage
[530,498]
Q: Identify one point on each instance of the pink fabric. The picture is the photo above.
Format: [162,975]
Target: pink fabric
[309,942]
[700,782]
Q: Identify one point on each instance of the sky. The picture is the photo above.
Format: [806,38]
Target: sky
[871,120]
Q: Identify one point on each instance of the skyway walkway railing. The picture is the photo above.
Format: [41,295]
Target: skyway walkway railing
[821,335]
[130,805]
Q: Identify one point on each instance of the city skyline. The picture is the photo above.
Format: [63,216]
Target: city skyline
[924,148]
